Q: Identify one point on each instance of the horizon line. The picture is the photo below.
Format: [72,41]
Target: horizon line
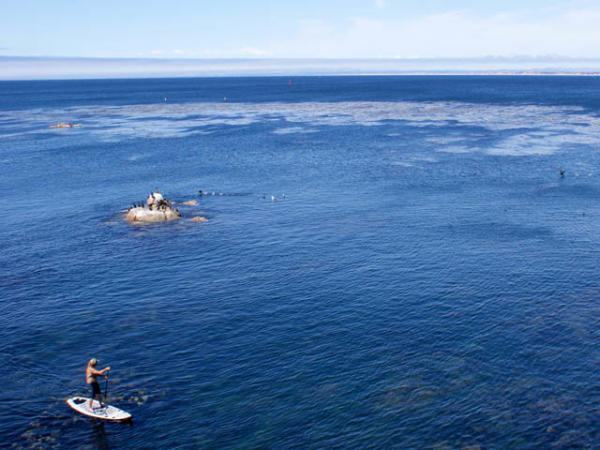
[506,74]
[52,67]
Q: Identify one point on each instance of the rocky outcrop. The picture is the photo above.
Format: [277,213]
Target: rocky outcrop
[156,209]
[140,214]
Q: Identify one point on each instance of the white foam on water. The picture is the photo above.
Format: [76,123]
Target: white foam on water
[517,129]
[457,149]
[444,140]
[136,157]
[402,164]
[427,159]
[292,130]
[520,145]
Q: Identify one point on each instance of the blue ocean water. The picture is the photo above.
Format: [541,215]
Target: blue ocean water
[387,262]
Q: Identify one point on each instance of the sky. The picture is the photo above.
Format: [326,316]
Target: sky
[199,30]
[299,28]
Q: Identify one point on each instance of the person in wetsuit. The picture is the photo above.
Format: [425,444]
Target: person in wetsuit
[91,378]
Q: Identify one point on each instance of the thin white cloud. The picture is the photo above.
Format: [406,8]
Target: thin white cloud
[380,3]
[242,52]
[460,33]
[253,52]
[315,28]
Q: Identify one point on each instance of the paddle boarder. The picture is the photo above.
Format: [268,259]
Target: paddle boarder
[91,377]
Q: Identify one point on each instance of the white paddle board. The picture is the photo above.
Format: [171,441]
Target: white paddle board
[107,412]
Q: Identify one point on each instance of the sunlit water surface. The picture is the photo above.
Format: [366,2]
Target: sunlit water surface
[387,262]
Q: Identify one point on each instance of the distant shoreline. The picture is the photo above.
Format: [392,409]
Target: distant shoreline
[14,68]
[325,75]
[488,74]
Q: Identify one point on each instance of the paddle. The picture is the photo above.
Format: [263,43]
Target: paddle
[106,388]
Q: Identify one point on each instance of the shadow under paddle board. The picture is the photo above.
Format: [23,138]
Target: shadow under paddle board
[107,412]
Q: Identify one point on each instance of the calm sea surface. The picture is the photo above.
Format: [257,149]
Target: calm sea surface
[387,262]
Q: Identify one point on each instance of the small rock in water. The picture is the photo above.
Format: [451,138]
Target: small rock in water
[198,219]
[158,209]
[190,203]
